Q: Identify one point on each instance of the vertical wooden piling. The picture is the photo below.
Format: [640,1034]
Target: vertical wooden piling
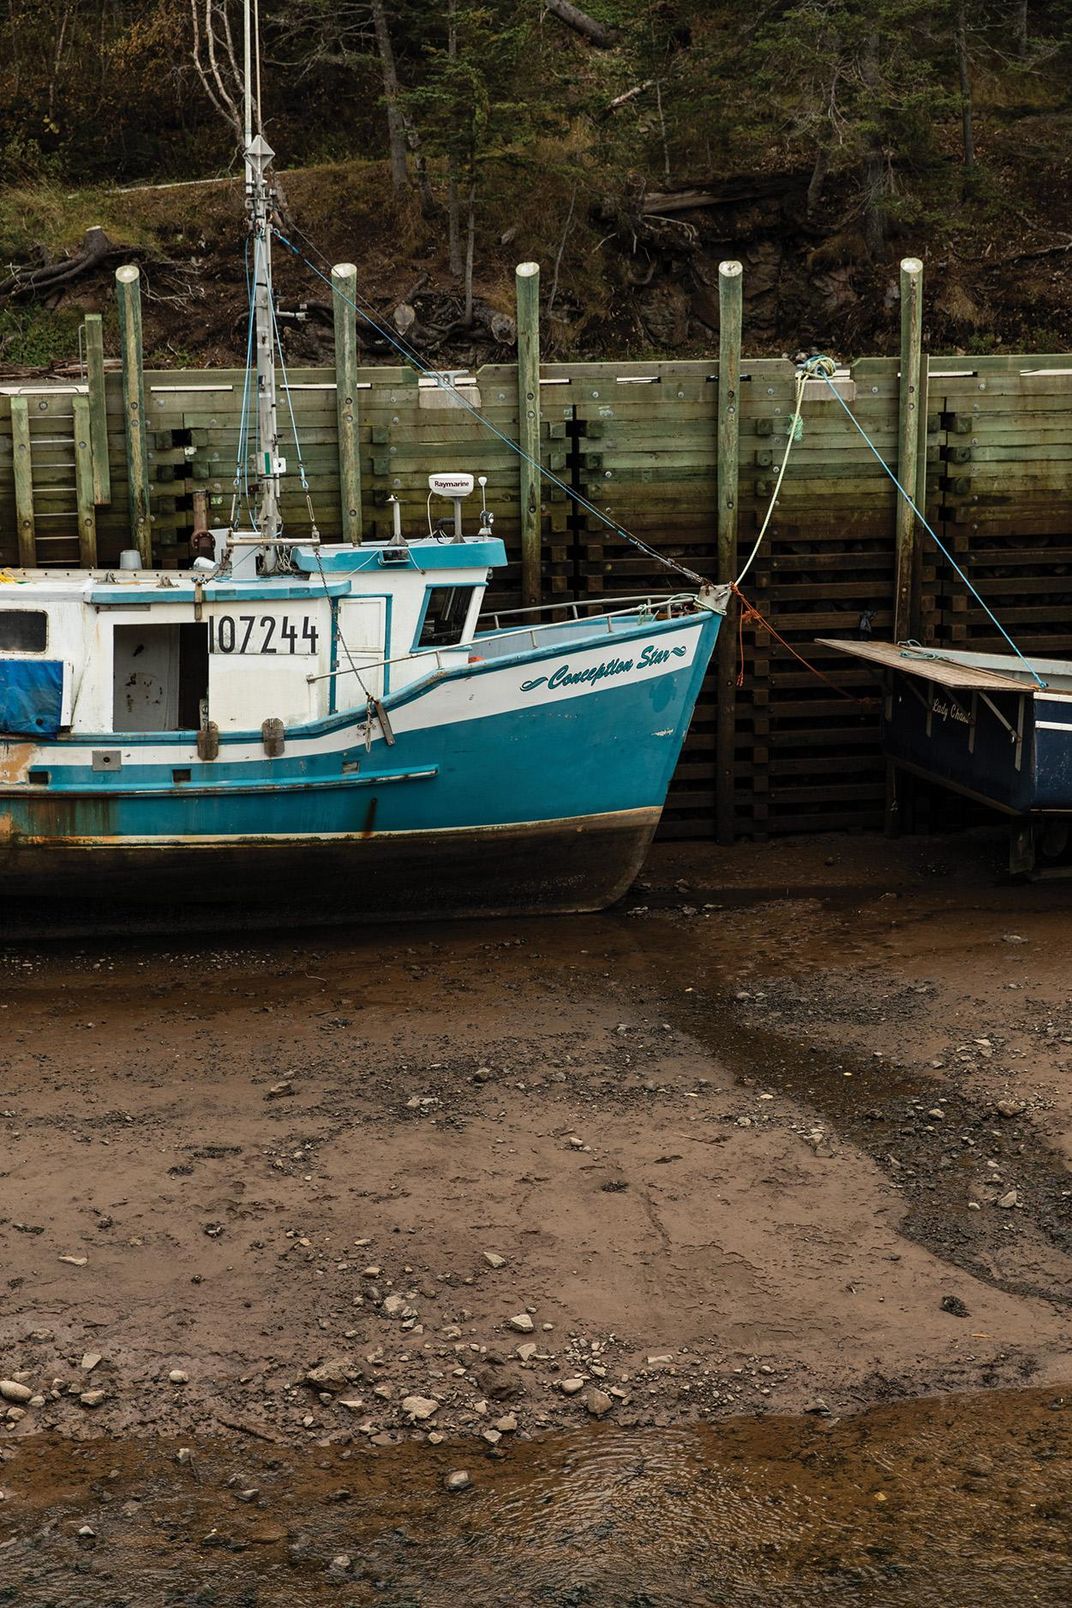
[128,294]
[24,509]
[83,482]
[729,427]
[907,535]
[905,602]
[98,409]
[527,278]
[344,308]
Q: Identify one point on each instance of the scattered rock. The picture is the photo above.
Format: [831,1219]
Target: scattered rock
[74,1261]
[332,1374]
[90,1359]
[571,1387]
[279,1090]
[11,1390]
[458,1480]
[184,1456]
[493,1259]
[522,1323]
[178,1377]
[527,1350]
[954,1305]
[507,1424]
[1008,1200]
[92,1398]
[86,1532]
[1009,1108]
[342,1562]
[419,1407]
[599,1403]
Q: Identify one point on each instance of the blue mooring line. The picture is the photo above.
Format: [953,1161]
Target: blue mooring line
[946,554]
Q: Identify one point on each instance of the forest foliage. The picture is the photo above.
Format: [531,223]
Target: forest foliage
[569,118]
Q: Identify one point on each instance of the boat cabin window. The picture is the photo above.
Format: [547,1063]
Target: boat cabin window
[159,677]
[445,612]
[23,630]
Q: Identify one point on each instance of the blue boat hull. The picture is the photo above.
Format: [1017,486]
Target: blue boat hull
[527,785]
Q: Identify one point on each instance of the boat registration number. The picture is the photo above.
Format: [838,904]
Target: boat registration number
[263,633]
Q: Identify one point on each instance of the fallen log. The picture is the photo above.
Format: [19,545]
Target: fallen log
[597,33]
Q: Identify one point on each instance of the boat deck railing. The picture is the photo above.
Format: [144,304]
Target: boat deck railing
[619,613]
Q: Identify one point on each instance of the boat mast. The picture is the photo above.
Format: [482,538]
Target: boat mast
[258,156]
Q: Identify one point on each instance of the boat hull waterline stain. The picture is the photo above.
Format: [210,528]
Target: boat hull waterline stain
[517,770]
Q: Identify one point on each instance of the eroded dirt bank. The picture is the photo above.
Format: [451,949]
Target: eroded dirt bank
[747,1143]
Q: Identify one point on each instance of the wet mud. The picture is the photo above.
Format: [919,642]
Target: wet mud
[711,1234]
[925,1505]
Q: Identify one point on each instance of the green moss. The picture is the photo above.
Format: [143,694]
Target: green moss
[37,337]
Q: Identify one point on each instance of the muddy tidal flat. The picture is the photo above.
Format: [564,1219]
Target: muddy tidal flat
[723,1242]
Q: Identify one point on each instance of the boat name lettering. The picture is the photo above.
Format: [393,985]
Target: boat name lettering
[951,712]
[565,677]
[265,633]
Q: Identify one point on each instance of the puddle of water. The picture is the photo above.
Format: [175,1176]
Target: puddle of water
[936,1504]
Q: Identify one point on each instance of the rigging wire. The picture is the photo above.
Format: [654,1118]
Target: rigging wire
[548,474]
[935,538]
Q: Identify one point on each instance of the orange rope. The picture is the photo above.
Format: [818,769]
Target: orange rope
[748,614]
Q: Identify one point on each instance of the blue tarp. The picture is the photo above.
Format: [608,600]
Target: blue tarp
[31,697]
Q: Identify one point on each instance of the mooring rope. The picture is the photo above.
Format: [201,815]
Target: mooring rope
[824,374]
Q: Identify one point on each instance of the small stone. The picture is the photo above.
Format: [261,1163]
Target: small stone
[599,1403]
[371,1272]
[393,1305]
[492,1436]
[954,1305]
[15,1415]
[522,1323]
[92,1398]
[87,1533]
[342,1562]
[1013,938]
[1009,1199]
[435,1438]
[419,1407]
[1009,1108]
[178,1377]
[507,1424]
[937,1114]
[493,1259]
[354,1404]
[279,1090]
[90,1359]
[570,1387]
[11,1390]
[184,1456]
[527,1350]
[660,1361]
[458,1480]
[74,1261]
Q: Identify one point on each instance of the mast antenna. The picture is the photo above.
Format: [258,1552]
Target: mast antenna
[258,154]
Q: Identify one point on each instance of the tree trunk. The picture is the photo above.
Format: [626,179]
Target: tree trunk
[396,123]
[817,180]
[965,87]
[470,240]
[875,218]
[595,32]
[454,227]
[454,232]
[1021,29]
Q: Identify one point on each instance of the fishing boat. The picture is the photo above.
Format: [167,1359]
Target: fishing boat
[293,726]
[996,728]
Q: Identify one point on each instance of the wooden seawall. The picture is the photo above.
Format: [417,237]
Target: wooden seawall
[988,441]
